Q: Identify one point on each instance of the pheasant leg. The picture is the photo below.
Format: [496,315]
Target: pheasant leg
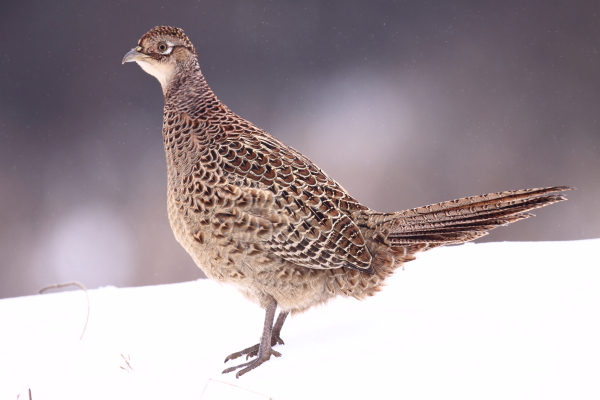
[252,351]
[265,350]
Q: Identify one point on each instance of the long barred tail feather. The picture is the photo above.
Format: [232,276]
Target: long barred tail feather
[465,219]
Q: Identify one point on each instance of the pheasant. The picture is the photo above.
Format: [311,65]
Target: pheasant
[256,214]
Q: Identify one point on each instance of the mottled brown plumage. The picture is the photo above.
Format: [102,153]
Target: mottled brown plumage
[256,214]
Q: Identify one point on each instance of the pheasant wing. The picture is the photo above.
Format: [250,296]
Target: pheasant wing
[318,232]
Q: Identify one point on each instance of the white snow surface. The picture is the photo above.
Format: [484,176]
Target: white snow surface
[479,321]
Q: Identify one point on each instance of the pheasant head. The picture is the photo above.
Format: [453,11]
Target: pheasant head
[165,53]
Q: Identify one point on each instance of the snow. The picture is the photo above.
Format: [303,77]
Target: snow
[493,321]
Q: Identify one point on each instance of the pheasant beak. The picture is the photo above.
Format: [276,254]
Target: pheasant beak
[134,55]
[160,70]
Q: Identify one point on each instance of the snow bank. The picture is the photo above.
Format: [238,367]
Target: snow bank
[494,320]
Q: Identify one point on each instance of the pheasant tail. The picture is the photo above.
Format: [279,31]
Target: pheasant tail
[465,219]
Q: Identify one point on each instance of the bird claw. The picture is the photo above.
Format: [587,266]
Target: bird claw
[249,366]
[271,337]
[252,351]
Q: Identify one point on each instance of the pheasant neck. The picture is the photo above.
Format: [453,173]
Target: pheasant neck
[189,93]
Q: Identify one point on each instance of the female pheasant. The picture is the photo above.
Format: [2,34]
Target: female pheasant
[256,214]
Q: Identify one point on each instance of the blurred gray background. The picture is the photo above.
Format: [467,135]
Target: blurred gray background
[405,103]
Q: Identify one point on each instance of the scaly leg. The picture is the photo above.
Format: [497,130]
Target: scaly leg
[264,350]
[252,351]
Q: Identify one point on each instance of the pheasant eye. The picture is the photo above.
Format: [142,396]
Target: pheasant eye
[162,47]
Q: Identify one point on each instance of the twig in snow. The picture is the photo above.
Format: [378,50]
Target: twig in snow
[129,367]
[74,283]
[30,398]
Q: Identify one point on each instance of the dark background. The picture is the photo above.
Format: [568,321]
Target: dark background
[405,103]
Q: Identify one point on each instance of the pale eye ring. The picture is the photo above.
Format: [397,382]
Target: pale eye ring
[163,48]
